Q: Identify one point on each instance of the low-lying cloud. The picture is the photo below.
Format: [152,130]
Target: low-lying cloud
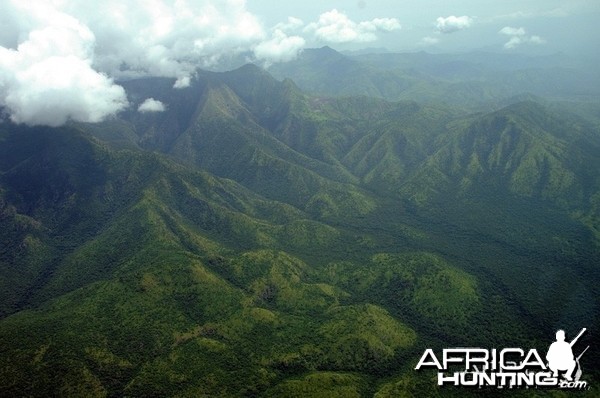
[59,60]
[49,76]
[151,105]
[518,36]
[280,48]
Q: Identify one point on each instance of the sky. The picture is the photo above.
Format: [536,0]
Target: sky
[61,60]
[534,26]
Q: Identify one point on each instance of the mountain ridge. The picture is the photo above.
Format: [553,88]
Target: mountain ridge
[471,81]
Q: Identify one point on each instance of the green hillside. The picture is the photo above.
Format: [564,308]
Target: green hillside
[255,240]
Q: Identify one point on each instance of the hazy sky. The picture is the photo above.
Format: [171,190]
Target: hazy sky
[59,59]
[555,25]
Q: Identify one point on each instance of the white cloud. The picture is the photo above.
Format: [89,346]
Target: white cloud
[335,27]
[49,76]
[518,36]
[510,31]
[280,47]
[166,38]
[452,23]
[182,82]
[536,40]
[151,105]
[292,24]
[559,12]
[383,24]
[58,58]
[429,41]
[513,42]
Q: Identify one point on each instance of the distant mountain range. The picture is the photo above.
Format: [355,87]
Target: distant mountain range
[474,81]
[254,239]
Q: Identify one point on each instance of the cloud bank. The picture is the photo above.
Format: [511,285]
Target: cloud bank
[59,59]
[48,77]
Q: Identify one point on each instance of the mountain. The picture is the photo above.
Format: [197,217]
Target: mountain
[473,81]
[325,71]
[255,240]
[156,252]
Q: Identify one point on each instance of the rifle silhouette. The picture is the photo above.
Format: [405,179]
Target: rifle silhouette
[582,352]
[578,336]
[579,371]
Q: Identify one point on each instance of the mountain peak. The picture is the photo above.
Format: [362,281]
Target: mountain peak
[249,68]
[327,49]
[322,55]
[248,73]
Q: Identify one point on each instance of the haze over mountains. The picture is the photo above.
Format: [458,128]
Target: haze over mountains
[308,234]
[473,80]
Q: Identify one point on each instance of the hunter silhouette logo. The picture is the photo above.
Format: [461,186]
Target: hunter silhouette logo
[560,356]
[509,367]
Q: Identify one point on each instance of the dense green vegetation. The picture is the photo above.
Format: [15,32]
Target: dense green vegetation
[253,240]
